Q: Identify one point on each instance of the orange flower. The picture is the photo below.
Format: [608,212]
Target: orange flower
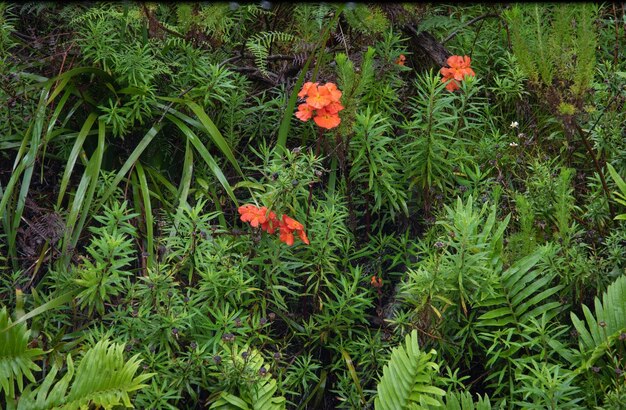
[292,224]
[255,215]
[303,237]
[334,93]
[322,103]
[286,235]
[319,97]
[334,107]
[287,227]
[326,120]
[452,85]
[305,112]
[459,68]
[376,282]
[271,223]
[305,89]
[401,59]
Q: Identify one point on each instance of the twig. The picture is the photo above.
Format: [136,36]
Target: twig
[256,73]
[63,64]
[151,19]
[230,60]
[583,136]
[172,103]
[274,57]
[469,23]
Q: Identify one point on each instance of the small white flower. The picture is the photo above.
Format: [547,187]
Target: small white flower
[514,124]
[513,144]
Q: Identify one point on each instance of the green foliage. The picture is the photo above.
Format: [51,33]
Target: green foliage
[17,358]
[555,44]
[464,401]
[407,378]
[621,185]
[474,223]
[544,386]
[6,27]
[102,378]
[101,277]
[525,296]
[375,164]
[352,82]
[260,44]
[468,266]
[599,332]
[429,135]
[366,19]
[255,386]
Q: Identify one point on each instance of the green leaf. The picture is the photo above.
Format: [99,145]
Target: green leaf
[147,207]
[596,338]
[407,378]
[16,358]
[76,149]
[206,156]
[210,128]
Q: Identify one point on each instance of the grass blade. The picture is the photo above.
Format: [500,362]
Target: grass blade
[84,194]
[132,159]
[52,304]
[206,156]
[76,149]
[147,206]
[210,127]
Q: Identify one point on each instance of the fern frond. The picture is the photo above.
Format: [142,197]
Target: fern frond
[259,45]
[103,378]
[16,358]
[524,295]
[407,379]
[464,401]
[597,333]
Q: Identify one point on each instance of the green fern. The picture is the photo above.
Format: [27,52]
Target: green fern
[523,295]
[407,381]
[522,298]
[464,401]
[366,20]
[260,44]
[16,358]
[102,378]
[599,332]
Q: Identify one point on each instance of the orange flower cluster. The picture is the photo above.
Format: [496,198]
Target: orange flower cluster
[321,101]
[401,59]
[269,222]
[376,282]
[459,68]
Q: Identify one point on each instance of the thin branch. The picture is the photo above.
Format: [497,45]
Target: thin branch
[605,188]
[469,23]
[275,57]
[181,95]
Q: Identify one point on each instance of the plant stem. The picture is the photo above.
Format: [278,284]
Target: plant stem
[605,188]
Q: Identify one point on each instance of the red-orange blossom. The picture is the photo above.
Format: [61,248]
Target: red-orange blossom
[269,222]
